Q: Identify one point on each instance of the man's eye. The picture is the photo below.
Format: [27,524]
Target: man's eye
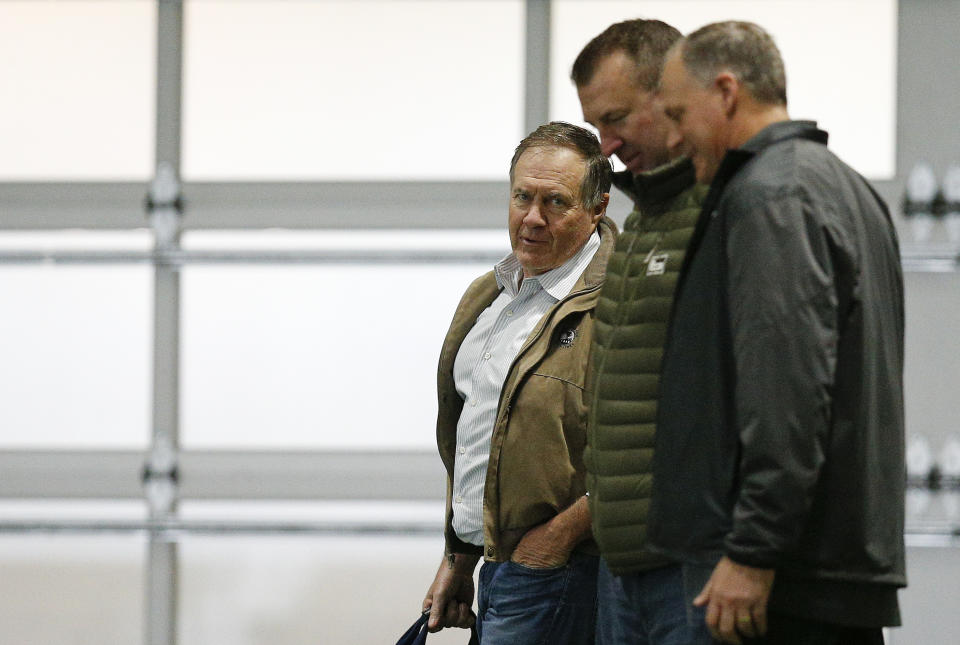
[521,197]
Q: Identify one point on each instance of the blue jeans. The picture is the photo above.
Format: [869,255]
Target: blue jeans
[517,605]
[646,608]
[695,577]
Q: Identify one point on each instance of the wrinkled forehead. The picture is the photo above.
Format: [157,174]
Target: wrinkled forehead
[559,162]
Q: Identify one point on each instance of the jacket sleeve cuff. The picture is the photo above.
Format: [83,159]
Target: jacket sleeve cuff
[751,558]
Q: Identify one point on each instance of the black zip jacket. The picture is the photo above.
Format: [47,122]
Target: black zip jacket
[780,427]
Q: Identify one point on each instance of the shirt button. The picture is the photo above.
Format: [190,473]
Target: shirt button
[486,356]
[473,402]
[490,551]
[509,312]
[462,450]
[459,500]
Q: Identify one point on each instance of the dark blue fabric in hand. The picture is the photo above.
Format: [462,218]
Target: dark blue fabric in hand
[417,634]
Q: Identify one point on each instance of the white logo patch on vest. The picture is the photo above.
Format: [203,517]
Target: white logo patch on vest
[567,338]
[658,264]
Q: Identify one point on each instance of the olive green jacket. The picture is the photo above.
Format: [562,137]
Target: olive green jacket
[629,335]
[536,451]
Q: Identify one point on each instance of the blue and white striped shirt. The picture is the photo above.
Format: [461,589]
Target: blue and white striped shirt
[481,367]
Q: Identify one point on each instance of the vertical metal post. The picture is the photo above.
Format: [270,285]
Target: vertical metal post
[169,81]
[164,207]
[537,73]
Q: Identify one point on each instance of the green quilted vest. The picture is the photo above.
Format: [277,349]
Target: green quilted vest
[630,331]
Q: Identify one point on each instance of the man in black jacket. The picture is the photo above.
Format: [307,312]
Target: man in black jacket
[779,469]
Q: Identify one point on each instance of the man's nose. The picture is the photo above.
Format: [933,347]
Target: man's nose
[609,144]
[674,137]
[534,217]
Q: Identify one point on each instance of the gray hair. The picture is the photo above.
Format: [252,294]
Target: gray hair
[742,48]
[559,134]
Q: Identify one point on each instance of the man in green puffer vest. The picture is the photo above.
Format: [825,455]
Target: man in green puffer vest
[640,597]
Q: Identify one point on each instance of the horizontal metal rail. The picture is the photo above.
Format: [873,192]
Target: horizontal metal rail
[301,256]
[933,481]
[924,534]
[932,540]
[933,260]
[227,475]
[929,528]
[173,527]
[373,205]
[938,258]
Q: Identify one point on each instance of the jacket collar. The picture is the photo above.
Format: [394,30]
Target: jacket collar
[783,130]
[732,162]
[486,289]
[557,281]
[736,158]
[658,185]
[597,269]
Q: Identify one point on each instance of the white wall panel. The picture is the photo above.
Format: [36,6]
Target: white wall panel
[328,356]
[77,90]
[340,90]
[75,347]
[68,589]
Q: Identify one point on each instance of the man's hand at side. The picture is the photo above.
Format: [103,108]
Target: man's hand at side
[450,597]
[736,600]
[550,544]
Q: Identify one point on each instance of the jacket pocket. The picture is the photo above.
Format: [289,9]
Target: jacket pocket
[568,353]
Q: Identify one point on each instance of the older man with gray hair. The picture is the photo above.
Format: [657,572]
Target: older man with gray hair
[779,465]
[512,408]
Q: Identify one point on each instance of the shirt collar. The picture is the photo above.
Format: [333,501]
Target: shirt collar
[557,282]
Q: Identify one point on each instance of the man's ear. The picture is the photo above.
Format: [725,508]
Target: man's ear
[600,209]
[728,85]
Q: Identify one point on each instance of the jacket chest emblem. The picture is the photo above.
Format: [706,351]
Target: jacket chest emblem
[658,264]
[567,337]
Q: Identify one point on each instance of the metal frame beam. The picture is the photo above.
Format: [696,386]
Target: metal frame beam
[253,205]
[175,528]
[537,64]
[347,205]
[164,207]
[227,475]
